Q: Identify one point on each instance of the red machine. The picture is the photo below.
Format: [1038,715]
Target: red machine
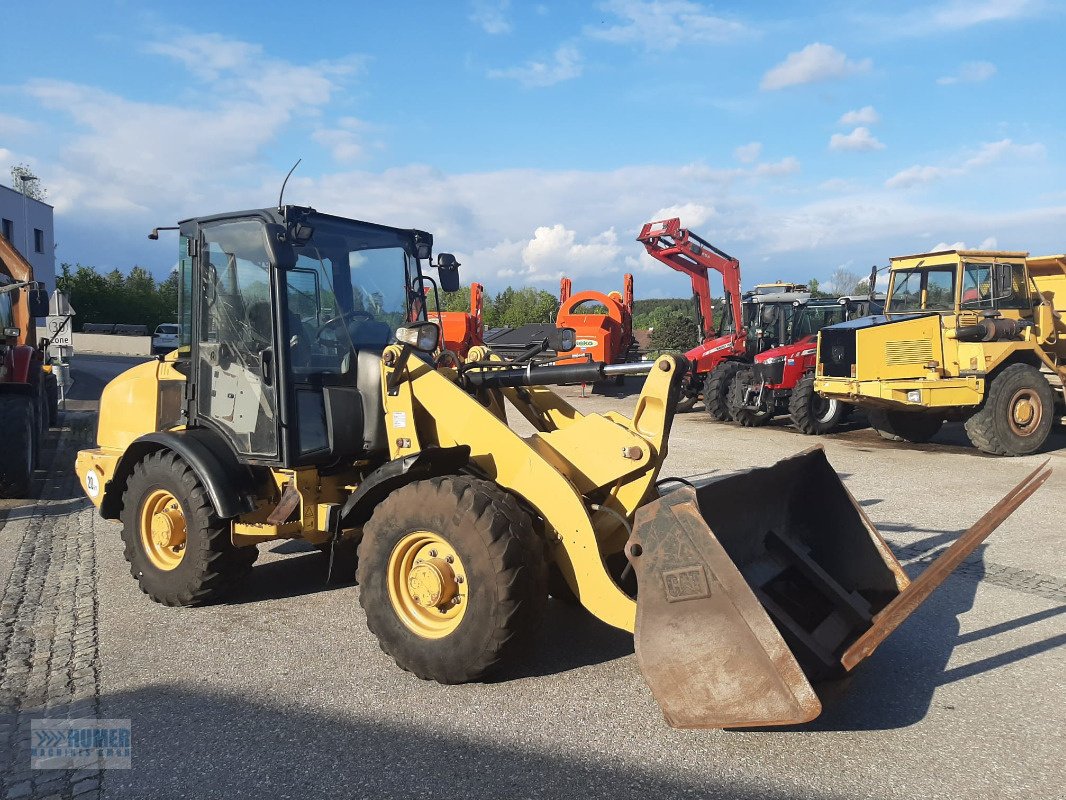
[461,330]
[28,390]
[715,361]
[781,378]
[607,336]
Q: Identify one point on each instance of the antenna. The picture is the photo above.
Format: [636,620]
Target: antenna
[281,194]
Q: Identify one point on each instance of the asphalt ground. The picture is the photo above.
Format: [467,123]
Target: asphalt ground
[282,692]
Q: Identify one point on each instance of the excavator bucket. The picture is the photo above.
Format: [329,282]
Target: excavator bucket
[755,586]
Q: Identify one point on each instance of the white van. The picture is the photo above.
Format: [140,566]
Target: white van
[165,338]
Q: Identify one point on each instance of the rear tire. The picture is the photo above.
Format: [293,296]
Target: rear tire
[916,427]
[718,389]
[811,413]
[493,550]
[198,564]
[18,454]
[1017,414]
[745,416]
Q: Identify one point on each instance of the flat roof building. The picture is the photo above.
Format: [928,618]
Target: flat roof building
[28,225]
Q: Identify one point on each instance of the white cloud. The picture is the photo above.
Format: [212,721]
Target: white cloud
[959,14]
[664,24]
[815,62]
[747,153]
[866,115]
[859,140]
[564,64]
[554,252]
[971,72]
[491,16]
[15,126]
[692,215]
[786,166]
[986,155]
[344,142]
[988,243]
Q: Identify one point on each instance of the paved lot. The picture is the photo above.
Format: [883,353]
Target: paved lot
[283,693]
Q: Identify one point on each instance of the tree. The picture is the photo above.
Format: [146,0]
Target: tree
[673,331]
[863,287]
[134,299]
[844,281]
[513,308]
[32,188]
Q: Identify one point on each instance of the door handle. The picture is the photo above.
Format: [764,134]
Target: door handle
[266,366]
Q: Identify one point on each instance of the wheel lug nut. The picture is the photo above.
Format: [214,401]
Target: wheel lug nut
[449,559]
[458,578]
[433,553]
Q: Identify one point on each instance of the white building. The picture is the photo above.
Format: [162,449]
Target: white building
[27,224]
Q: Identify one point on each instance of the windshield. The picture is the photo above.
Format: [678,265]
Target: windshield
[351,289]
[813,318]
[927,289]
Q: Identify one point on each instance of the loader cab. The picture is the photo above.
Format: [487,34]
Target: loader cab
[960,281]
[284,314]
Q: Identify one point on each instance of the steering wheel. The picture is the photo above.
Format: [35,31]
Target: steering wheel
[339,318]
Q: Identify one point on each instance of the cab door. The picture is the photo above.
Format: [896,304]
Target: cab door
[235,342]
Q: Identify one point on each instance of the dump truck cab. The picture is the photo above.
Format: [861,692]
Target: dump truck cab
[955,321]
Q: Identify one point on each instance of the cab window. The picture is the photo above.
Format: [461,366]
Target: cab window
[1001,285]
[927,289]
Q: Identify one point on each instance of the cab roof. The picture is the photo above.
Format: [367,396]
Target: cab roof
[973,253]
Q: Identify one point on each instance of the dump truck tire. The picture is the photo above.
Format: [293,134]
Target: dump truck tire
[718,388]
[1017,414]
[813,414]
[916,427]
[178,549]
[436,541]
[745,416]
[19,452]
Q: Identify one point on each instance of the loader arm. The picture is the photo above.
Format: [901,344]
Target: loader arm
[556,470]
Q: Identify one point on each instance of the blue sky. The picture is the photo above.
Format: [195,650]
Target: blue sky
[534,139]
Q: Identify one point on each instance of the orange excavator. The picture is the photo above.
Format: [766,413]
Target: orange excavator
[461,330]
[29,393]
[602,323]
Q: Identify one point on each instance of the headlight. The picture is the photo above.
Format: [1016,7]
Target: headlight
[421,336]
[774,360]
[914,396]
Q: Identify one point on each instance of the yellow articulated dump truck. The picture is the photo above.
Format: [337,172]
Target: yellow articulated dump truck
[966,335]
[309,399]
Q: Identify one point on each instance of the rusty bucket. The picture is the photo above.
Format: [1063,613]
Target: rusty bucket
[755,585]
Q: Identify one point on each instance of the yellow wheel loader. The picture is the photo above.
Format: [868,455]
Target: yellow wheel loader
[966,335]
[305,402]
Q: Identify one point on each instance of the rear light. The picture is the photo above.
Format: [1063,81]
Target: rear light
[853,370]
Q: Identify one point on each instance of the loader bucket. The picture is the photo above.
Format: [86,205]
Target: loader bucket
[756,585]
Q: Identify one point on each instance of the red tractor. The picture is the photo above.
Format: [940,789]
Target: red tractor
[29,394]
[461,330]
[604,331]
[784,328]
[722,350]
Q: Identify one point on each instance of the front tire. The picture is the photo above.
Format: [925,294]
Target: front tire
[811,413]
[746,416]
[18,454]
[178,548]
[916,427]
[452,578]
[1017,414]
[718,388]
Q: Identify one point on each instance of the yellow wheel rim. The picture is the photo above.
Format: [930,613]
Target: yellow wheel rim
[1026,412]
[427,584]
[163,532]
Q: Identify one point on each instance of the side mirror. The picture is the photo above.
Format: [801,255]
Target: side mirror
[422,336]
[38,302]
[562,340]
[448,271]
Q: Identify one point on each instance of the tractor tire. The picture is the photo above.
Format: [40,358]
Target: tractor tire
[197,562]
[18,456]
[718,390]
[916,427]
[745,416]
[1017,414]
[452,577]
[813,414]
[51,394]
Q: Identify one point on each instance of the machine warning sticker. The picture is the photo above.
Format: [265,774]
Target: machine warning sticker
[399,419]
[92,483]
[686,583]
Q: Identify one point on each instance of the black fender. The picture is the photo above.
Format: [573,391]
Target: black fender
[229,483]
[432,462]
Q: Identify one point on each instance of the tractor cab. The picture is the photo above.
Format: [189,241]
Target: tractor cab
[284,316]
[962,282]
